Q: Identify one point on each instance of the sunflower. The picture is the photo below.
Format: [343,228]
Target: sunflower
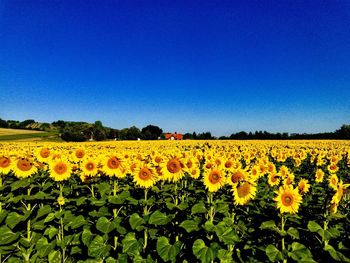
[61,200]
[173,169]
[273,179]
[5,164]
[237,176]
[333,181]
[43,154]
[60,169]
[243,192]
[78,155]
[271,168]
[113,166]
[145,176]
[283,171]
[89,167]
[332,168]
[339,193]
[255,173]
[303,186]
[288,199]
[289,179]
[214,179]
[191,166]
[319,176]
[23,167]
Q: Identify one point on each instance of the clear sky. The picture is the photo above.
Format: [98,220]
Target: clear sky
[219,66]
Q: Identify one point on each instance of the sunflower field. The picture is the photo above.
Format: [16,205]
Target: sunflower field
[175,201]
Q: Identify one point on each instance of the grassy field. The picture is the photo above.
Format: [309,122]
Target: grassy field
[27,135]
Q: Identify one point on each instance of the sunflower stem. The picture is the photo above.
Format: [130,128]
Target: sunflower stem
[115,212]
[115,186]
[0,202]
[29,222]
[283,222]
[62,236]
[325,227]
[145,212]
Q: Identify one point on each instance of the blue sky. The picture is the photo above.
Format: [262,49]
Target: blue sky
[219,66]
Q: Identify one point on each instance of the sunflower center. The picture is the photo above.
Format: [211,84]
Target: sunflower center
[113,163]
[89,166]
[24,165]
[243,190]
[60,168]
[79,153]
[145,174]
[132,167]
[4,162]
[44,152]
[174,166]
[214,177]
[287,200]
[158,159]
[228,164]
[189,164]
[236,177]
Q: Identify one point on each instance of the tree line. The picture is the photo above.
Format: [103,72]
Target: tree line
[83,131]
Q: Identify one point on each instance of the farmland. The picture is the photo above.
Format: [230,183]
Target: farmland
[175,201]
[27,135]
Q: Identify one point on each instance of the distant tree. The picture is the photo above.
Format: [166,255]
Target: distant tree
[3,123]
[25,123]
[343,132]
[133,133]
[60,124]
[188,136]
[151,132]
[194,135]
[239,136]
[205,136]
[45,126]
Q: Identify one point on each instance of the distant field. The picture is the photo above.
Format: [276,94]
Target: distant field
[27,135]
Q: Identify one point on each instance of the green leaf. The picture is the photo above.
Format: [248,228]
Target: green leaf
[225,256]
[13,219]
[86,237]
[50,217]
[7,236]
[158,218]
[209,226]
[226,234]
[19,184]
[54,257]
[190,225]
[78,222]
[43,211]
[268,225]
[294,233]
[136,221]
[104,225]
[98,248]
[336,255]
[199,208]
[44,247]
[167,251]
[313,226]
[273,253]
[300,253]
[202,252]
[130,245]
[75,250]
[51,232]
[331,233]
